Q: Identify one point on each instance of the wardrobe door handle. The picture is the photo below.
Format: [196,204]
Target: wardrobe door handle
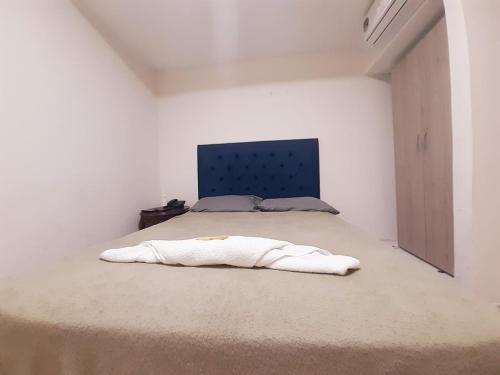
[425,140]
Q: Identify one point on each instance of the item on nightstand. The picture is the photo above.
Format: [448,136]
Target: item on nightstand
[172,204]
[153,216]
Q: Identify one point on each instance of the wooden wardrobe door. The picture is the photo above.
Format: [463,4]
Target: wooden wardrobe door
[437,145]
[408,146]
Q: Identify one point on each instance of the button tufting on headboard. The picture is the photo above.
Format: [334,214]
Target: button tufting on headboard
[269,169]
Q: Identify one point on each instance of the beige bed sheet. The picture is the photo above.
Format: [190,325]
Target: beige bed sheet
[397,315]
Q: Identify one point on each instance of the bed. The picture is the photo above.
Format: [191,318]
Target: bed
[396,315]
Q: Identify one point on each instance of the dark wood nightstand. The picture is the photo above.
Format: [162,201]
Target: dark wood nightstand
[149,218]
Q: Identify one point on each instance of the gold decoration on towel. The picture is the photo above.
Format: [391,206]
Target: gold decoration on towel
[211,238]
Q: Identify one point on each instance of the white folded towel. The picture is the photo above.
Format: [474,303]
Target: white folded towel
[235,251]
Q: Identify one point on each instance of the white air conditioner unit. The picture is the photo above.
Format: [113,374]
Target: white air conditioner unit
[386,18]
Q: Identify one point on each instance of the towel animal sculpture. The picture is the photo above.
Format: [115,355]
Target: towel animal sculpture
[235,251]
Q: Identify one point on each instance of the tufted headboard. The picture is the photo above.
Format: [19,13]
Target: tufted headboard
[268,169]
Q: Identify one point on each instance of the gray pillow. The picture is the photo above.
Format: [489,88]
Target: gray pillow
[227,203]
[296,204]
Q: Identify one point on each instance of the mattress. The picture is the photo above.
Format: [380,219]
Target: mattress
[396,315]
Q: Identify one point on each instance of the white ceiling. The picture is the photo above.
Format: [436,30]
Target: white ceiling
[177,34]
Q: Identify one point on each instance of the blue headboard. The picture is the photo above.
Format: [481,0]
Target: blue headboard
[269,169]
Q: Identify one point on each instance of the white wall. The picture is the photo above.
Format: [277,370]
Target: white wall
[473,34]
[351,117]
[78,152]
[462,136]
[483,33]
